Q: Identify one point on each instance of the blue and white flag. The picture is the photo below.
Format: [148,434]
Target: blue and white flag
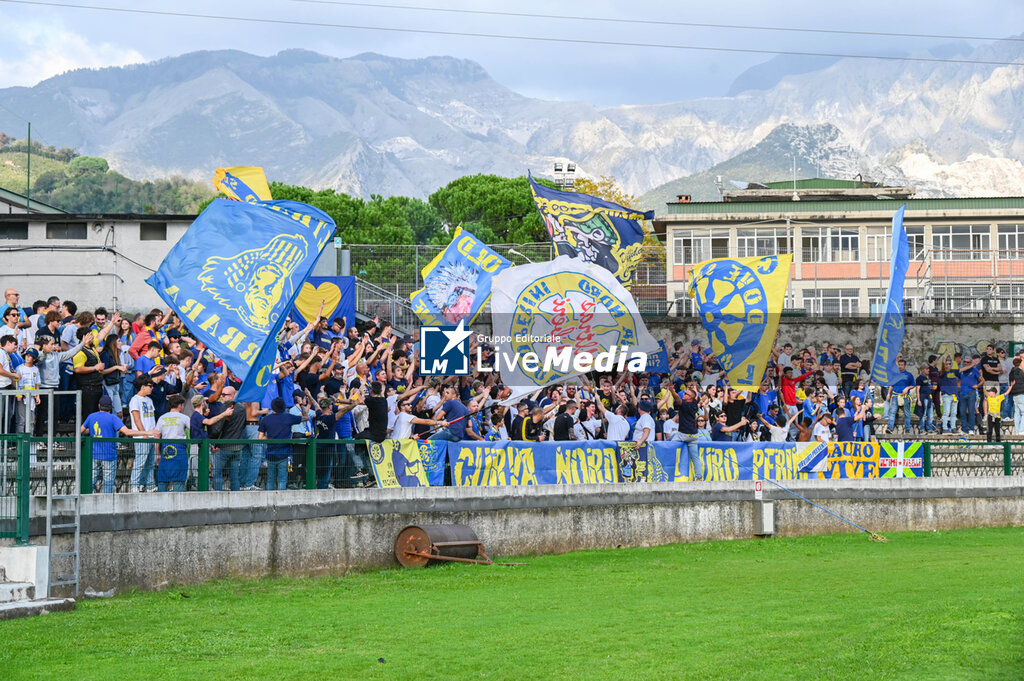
[890,327]
[235,275]
[457,283]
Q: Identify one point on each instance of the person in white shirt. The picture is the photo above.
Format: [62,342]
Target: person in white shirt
[405,422]
[9,325]
[143,416]
[29,380]
[643,431]
[822,432]
[670,426]
[618,426]
[589,424]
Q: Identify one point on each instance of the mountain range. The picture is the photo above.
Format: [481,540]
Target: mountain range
[372,124]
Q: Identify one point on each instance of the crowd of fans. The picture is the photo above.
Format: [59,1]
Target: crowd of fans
[147,378]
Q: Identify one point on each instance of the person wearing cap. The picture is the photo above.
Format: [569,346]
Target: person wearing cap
[28,379]
[159,394]
[104,424]
[144,419]
[721,432]
[822,431]
[643,429]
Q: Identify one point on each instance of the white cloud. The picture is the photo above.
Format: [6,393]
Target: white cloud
[39,51]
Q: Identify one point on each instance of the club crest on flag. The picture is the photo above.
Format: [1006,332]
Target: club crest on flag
[253,282]
[739,301]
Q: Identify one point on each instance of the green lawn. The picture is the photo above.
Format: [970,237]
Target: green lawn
[928,605]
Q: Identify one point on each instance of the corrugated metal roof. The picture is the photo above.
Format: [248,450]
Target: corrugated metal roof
[820,183]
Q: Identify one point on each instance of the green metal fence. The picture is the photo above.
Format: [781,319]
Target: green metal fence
[14,487]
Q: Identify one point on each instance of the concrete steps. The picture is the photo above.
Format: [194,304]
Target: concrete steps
[16,609]
[17,591]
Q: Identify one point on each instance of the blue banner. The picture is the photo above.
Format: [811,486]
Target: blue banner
[489,464]
[890,327]
[457,283]
[338,294]
[598,231]
[737,460]
[658,362]
[234,276]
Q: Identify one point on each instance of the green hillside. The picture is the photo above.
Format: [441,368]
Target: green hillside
[85,184]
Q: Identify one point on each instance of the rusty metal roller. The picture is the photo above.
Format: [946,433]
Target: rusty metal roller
[420,545]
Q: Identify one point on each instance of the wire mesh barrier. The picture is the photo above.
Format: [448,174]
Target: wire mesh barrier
[389,274]
[973,459]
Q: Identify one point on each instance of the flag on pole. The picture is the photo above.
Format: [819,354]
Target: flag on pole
[242,183]
[739,301]
[457,283]
[235,274]
[890,327]
[545,315]
[598,231]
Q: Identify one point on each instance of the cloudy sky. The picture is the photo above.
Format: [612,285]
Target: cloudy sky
[38,41]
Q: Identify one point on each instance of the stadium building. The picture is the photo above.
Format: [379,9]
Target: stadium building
[967,254]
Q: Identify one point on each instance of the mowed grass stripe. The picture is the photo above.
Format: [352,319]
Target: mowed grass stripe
[927,605]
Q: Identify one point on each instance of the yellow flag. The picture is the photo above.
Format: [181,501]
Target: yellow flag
[739,301]
[243,183]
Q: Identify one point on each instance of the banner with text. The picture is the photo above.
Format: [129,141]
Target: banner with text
[489,464]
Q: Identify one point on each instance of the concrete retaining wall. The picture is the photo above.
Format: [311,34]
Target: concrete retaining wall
[146,541]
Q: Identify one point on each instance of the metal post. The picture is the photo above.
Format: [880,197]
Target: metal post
[203,474]
[28,166]
[23,478]
[1007,459]
[311,463]
[927,459]
[417,272]
[85,464]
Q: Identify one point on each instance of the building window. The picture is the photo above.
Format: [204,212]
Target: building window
[879,245]
[690,248]
[763,241]
[14,230]
[66,230]
[830,244]
[832,302]
[1011,242]
[153,231]
[961,242]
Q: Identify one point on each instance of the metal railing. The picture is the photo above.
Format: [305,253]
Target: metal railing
[971,459]
[14,488]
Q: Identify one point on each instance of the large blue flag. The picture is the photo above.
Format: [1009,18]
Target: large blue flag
[890,327]
[598,231]
[457,283]
[235,275]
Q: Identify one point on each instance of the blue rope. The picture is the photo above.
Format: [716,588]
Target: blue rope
[735,460]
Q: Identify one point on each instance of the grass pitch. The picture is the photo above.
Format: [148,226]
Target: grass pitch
[926,605]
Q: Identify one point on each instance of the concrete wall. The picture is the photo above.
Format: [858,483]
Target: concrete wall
[924,335]
[147,541]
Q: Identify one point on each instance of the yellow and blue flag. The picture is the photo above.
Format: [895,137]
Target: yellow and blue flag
[739,301]
[595,230]
[890,327]
[235,274]
[457,283]
[243,183]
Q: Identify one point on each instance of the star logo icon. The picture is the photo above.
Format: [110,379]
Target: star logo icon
[444,350]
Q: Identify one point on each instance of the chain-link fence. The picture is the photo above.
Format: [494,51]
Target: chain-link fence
[393,273]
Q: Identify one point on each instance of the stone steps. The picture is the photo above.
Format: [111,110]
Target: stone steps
[17,591]
[16,609]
